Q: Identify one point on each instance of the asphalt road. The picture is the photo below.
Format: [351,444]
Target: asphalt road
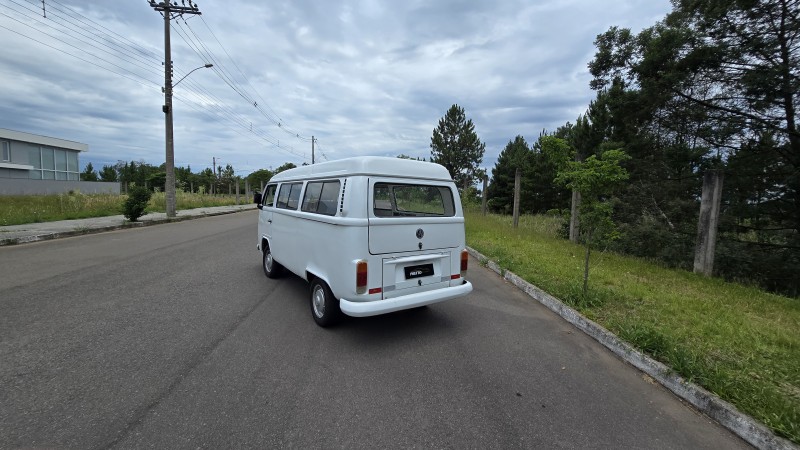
[170,336]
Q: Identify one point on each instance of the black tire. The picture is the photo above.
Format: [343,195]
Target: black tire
[272,268]
[324,306]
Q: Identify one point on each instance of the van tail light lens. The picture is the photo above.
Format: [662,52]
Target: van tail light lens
[361,277]
[464,263]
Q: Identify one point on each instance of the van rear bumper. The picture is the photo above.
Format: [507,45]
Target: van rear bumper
[375,307]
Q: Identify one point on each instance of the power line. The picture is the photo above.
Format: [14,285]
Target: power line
[97,45]
[146,82]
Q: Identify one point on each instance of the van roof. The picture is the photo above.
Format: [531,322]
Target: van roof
[367,165]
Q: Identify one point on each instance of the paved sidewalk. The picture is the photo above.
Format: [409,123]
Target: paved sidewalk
[32,232]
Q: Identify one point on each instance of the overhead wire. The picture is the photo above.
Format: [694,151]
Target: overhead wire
[196,47]
[61,39]
[136,63]
[276,119]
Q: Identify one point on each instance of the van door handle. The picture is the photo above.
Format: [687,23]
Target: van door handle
[269,221]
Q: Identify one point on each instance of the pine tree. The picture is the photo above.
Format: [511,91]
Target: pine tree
[456,146]
[500,193]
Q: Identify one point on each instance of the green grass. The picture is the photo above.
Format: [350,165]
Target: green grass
[22,209]
[736,341]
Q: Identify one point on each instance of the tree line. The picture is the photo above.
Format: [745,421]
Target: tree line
[203,182]
[714,86]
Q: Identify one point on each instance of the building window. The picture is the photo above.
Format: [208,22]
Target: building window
[6,150]
[53,164]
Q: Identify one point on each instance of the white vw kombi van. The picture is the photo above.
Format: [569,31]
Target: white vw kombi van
[371,235]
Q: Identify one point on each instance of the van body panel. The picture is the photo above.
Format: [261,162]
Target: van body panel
[412,254]
[399,235]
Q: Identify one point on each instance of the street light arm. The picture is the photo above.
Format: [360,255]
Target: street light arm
[190,72]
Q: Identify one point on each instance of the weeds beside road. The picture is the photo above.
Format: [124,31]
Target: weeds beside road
[22,209]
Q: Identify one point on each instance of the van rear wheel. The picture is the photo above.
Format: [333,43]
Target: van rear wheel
[324,306]
[272,269]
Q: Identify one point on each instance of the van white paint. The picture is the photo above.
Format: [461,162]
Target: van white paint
[412,259]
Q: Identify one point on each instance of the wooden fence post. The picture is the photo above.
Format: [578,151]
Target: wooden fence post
[483,194]
[707,223]
[574,222]
[517,186]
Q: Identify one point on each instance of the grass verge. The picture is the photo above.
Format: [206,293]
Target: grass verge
[22,209]
[736,341]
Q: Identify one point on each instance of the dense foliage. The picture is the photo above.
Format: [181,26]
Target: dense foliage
[136,203]
[715,85]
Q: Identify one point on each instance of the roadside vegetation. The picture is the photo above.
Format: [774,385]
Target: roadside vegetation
[22,209]
[735,340]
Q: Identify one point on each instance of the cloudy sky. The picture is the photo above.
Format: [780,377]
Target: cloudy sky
[364,77]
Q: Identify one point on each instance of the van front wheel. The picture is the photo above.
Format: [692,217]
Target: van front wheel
[272,269]
[324,307]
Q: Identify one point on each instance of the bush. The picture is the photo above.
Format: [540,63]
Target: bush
[134,206]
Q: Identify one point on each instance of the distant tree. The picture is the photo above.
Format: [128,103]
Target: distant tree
[404,156]
[157,181]
[285,166]
[184,178]
[550,155]
[207,179]
[108,173]
[258,177]
[88,173]
[500,193]
[596,178]
[456,146]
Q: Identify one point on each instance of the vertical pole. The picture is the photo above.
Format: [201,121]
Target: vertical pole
[312,149]
[483,193]
[169,188]
[236,179]
[574,223]
[707,223]
[517,185]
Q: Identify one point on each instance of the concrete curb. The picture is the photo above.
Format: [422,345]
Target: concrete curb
[709,404]
[101,229]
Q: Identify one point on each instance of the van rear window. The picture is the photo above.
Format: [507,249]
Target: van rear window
[412,200]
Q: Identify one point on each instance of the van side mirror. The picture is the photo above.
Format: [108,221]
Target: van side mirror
[257,197]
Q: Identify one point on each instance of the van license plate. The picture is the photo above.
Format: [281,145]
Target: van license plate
[422,270]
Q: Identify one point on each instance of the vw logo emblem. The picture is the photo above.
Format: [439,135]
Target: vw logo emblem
[420,233]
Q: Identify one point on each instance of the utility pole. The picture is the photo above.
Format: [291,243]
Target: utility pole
[312,149]
[167,10]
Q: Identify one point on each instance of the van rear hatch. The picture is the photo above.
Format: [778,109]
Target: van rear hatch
[412,217]
[400,235]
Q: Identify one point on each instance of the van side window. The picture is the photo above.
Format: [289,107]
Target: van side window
[414,200]
[289,195]
[269,195]
[321,197]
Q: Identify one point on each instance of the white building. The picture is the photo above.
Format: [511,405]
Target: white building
[34,164]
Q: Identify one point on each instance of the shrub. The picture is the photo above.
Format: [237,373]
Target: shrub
[134,206]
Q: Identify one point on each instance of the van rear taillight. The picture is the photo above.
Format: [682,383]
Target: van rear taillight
[361,277]
[464,263]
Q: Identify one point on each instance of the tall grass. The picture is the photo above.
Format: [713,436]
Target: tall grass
[22,209]
[186,200]
[736,341]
